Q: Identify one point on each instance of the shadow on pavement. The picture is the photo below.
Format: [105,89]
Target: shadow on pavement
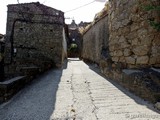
[36,101]
[65,64]
[137,99]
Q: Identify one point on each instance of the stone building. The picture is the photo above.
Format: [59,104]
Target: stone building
[35,37]
[83,24]
[1,57]
[75,38]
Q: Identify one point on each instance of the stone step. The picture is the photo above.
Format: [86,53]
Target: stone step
[10,87]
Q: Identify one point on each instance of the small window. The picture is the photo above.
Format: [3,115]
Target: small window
[51,30]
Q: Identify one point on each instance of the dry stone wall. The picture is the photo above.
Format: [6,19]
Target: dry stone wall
[95,40]
[132,57]
[133,41]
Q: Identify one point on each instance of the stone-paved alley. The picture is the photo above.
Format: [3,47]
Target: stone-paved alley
[76,92]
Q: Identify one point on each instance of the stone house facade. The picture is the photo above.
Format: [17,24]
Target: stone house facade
[35,37]
[1,57]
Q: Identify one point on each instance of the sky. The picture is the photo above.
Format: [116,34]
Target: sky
[85,13]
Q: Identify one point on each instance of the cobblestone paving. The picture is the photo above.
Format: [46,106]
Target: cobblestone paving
[78,92]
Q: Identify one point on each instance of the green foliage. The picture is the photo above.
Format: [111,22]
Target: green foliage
[73,45]
[155,25]
[151,7]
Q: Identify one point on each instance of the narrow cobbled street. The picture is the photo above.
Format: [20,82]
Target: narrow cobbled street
[76,92]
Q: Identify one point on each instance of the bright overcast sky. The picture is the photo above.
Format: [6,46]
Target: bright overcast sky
[85,13]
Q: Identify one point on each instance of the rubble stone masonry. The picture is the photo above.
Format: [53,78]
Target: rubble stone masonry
[127,47]
[34,37]
[95,40]
[133,41]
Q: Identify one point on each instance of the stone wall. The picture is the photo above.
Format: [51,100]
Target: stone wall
[127,47]
[133,41]
[95,40]
[1,61]
[34,37]
[134,47]
[1,57]
[75,39]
